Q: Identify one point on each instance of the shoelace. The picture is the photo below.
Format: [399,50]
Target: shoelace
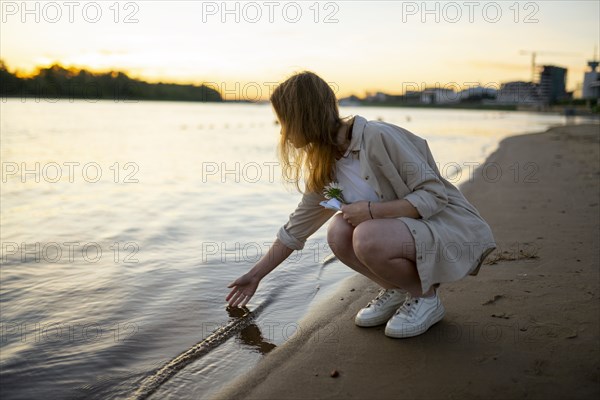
[381,298]
[408,305]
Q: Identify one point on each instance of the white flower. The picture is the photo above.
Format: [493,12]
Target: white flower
[334,191]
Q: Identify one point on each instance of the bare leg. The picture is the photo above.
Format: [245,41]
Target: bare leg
[339,237]
[387,248]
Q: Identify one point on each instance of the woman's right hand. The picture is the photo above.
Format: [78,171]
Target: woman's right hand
[243,290]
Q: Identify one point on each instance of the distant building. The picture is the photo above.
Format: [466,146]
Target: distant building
[377,97]
[518,92]
[439,96]
[351,100]
[591,82]
[477,93]
[411,97]
[553,82]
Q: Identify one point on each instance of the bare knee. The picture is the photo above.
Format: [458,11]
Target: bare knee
[375,243]
[339,235]
[366,244]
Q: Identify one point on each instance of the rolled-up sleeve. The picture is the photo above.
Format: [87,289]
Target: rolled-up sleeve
[308,217]
[427,203]
[428,192]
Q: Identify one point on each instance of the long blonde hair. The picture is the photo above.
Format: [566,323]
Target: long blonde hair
[307,110]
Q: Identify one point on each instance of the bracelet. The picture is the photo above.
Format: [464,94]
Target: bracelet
[370,213]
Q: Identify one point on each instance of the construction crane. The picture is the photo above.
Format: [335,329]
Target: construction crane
[534,54]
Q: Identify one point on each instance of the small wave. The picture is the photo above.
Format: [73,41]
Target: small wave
[216,338]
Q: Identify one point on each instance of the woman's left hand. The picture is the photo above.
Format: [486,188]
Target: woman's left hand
[356,213]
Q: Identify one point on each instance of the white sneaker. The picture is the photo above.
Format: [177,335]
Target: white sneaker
[415,316]
[381,308]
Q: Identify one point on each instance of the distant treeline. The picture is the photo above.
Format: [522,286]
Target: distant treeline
[57,82]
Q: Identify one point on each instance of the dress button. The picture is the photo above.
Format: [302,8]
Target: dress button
[414,231]
[367,177]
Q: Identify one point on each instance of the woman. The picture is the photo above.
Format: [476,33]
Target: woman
[404,226]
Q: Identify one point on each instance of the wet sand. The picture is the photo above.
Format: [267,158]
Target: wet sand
[527,326]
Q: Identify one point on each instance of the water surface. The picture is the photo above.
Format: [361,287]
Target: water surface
[122,223]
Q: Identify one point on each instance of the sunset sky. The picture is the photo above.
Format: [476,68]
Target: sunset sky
[365,46]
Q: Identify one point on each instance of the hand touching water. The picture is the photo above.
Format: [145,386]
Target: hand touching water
[243,290]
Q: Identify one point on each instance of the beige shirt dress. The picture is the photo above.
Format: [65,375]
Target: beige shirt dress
[452,239]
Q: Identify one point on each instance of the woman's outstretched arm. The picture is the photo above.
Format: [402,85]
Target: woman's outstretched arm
[245,286]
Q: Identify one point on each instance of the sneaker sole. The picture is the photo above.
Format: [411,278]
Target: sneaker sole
[376,321]
[433,319]
[373,321]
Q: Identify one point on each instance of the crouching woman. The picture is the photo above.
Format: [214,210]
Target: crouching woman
[403,226]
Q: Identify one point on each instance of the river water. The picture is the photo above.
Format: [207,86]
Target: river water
[122,224]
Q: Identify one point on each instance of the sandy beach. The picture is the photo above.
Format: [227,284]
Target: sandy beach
[527,326]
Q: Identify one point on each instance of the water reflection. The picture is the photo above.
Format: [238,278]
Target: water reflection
[251,335]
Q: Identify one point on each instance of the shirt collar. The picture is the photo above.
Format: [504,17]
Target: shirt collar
[358,130]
